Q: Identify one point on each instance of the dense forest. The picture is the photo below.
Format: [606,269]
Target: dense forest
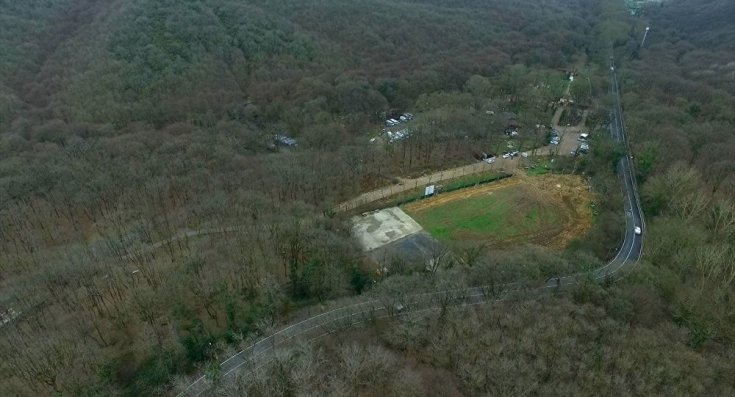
[150,224]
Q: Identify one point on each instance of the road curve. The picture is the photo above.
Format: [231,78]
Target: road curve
[627,256]
[631,248]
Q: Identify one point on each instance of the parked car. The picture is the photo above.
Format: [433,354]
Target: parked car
[506,155]
[483,156]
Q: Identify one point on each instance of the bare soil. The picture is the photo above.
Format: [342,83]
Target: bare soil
[461,194]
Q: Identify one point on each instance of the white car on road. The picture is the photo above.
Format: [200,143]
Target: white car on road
[637,230]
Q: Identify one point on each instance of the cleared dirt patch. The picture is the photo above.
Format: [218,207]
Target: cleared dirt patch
[462,194]
[549,210]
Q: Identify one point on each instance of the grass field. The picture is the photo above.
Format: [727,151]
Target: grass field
[493,215]
[541,168]
[546,209]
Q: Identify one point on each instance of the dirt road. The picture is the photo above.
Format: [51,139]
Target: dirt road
[568,143]
[508,165]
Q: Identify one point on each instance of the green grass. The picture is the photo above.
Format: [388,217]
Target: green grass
[540,168]
[495,216]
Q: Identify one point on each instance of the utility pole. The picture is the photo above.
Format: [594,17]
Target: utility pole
[644,36]
[587,69]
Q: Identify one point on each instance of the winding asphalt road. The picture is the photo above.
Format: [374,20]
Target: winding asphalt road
[627,256]
[633,243]
[631,249]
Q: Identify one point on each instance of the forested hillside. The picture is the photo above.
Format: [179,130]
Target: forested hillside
[666,328]
[150,224]
[126,123]
[142,61]
[679,105]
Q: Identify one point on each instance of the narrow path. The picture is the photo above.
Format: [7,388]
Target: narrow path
[500,164]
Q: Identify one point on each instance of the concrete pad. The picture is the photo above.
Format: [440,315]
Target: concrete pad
[415,248]
[376,229]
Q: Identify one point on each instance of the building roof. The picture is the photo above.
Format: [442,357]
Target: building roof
[285,140]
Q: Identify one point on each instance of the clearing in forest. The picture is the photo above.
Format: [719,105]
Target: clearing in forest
[548,210]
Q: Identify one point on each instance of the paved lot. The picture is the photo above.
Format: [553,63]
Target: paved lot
[569,134]
[416,248]
[376,229]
